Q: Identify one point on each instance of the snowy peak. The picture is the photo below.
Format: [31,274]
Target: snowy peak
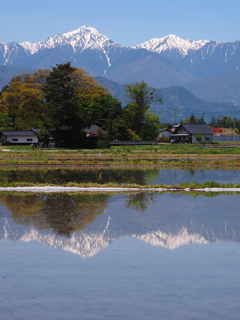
[171,42]
[172,241]
[87,37]
[87,244]
[82,38]
[29,47]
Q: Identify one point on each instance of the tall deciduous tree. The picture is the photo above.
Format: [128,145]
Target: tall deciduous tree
[136,112]
[22,100]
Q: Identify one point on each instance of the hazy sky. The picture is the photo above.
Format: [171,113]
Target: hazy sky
[128,22]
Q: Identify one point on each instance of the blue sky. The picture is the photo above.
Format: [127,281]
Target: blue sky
[128,22]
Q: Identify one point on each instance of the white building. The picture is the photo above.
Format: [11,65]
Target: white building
[23,137]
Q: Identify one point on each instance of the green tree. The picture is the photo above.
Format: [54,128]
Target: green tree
[151,126]
[213,122]
[191,119]
[65,99]
[5,122]
[225,122]
[63,109]
[74,101]
[111,110]
[23,101]
[110,130]
[141,96]
[122,131]
[199,137]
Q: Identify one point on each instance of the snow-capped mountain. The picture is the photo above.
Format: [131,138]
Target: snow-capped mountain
[87,48]
[172,42]
[162,62]
[202,58]
[79,40]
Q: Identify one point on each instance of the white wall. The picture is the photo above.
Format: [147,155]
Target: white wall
[165,134]
[22,139]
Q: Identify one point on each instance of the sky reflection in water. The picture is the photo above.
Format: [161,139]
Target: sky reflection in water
[126,256]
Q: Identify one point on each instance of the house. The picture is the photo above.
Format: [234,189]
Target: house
[167,132]
[18,137]
[92,131]
[192,133]
[164,133]
[53,139]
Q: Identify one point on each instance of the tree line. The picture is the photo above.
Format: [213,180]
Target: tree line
[67,100]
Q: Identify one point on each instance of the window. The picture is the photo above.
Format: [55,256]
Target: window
[14,139]
[29,139]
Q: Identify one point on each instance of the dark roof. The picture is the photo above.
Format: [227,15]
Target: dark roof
[17,133]
[195,128]
[93,129]
[36,130]
[180,135]
[165,129]
[130,142]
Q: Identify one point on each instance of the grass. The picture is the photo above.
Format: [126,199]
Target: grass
[164,155]
[190,185]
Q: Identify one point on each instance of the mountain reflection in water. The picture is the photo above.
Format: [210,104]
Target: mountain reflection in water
[85,223]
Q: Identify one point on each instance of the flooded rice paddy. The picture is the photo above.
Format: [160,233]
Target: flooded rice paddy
[119,256]
[61,176]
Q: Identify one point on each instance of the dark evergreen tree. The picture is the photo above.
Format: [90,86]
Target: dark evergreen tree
[213,122]
[110,130]
[63,108]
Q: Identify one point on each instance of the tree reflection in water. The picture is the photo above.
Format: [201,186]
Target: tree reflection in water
[140,200]
[83,175]
[63,213]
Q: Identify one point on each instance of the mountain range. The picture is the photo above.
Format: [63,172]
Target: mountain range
[178,104]
[87,48]
[209,69]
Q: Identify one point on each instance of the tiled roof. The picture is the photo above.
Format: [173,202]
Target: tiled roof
[18,133]
[195,128]
[93,129]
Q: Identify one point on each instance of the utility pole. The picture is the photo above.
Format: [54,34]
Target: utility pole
[234,125]
[175,116]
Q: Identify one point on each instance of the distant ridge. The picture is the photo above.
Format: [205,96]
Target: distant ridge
[222,88]
[7,72]
[177,101]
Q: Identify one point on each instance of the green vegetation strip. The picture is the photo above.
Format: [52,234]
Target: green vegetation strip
[161,155]
[192,186]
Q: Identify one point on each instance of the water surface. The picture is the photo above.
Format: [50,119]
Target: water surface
[127,175]
[124,256]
